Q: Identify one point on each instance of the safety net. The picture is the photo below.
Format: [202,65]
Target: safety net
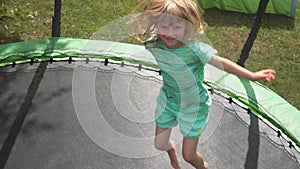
[49,88]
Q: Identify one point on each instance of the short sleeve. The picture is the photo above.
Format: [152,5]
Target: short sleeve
[204,51]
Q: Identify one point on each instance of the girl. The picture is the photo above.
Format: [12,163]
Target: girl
[172,28]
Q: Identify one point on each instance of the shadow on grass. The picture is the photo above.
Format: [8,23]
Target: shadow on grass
[4,38]
[216,17]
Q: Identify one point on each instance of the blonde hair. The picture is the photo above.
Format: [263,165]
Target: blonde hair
[143,25]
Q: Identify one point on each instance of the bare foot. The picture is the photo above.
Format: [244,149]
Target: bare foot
[205,165]
[174,160]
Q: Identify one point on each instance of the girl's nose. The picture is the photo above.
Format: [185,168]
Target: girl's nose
[170,32]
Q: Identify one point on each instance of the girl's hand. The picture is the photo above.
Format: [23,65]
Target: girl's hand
[267,75]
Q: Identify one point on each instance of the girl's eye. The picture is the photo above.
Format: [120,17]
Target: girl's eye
[164,27]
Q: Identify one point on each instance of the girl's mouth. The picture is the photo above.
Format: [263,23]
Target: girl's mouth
[169,39]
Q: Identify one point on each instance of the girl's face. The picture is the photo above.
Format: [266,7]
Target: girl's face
[171,32]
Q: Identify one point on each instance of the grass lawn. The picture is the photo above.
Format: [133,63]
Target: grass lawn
[277,45]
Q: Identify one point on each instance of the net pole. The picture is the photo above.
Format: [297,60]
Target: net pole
[253,33]
[56,19]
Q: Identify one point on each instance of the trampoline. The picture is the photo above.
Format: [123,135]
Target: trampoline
[78,103]
[94,109]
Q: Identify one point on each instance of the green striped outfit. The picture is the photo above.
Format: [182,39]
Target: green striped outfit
[182,100]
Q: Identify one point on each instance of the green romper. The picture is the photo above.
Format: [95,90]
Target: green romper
[182,100]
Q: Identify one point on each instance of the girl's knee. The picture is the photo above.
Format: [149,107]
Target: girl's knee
[188,156]
[191,156]
[163,145]
[161,141]
[160,146]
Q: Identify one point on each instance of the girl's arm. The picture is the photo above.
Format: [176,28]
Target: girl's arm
[231,67]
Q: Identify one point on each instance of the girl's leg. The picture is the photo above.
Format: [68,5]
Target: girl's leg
[190,154]
[162,142]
